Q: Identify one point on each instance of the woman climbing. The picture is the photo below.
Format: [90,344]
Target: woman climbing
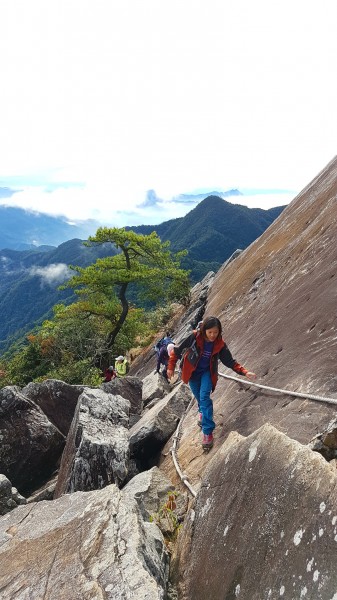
[203,348]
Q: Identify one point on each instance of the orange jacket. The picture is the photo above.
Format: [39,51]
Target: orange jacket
[193,346]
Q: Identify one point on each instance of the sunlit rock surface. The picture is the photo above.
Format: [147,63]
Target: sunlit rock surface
[83,546]
[264,524]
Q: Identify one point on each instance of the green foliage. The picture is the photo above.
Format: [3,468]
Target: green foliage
[142,261]
[81,372]
[101,324]
[66,346]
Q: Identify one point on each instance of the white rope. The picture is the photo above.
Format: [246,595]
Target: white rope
[287,392]
[183,477]
[176,436]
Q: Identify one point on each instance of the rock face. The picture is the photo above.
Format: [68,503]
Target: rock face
[277,304]
[30,445]
[97,449]
[84,545]
[150,490]
[264,524]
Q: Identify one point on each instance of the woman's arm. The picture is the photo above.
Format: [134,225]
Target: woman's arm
[230,362]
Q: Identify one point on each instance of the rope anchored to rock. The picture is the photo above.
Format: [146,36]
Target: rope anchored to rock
[177,434]
[286,392]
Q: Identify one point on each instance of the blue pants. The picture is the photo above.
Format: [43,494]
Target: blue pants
[201,387]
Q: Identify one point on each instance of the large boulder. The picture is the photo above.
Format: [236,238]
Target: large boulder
[264,524]
[130,388]
[31,445]
[155,387]
[82,546]
[97,449]
[56,399]
[148,436]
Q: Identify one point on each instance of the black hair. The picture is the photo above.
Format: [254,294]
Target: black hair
[210,322]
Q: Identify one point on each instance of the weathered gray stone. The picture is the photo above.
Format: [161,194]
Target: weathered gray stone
[264,524]
[83,546]
[9,496]
[56,399]
[130,388]
[30,444]
[157,425]
[155,387]
[150,490]
[97,449]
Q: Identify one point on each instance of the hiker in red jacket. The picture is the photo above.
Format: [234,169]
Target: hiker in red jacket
[203,348]
[109,374]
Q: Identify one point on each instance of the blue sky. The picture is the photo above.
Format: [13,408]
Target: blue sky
[103,101]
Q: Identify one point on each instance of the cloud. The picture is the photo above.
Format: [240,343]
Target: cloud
[53,274]
[150,200]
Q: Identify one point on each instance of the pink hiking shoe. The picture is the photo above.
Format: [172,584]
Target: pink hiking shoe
[200,419]
[207,441]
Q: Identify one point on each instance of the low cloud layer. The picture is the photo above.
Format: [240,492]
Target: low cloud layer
[54,274]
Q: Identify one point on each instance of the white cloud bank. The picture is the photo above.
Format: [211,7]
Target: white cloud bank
[125,97]
[54,274]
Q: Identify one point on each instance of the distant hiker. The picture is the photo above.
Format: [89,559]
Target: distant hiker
[109,374]
[163,342]
[200,369]
[163,358]
[121,366]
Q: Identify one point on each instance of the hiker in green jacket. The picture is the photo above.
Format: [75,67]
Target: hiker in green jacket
[121,366]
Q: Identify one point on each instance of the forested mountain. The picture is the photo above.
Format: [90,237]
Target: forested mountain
[211,232]
[29,282]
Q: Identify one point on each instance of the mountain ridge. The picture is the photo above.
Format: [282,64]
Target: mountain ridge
[29,279]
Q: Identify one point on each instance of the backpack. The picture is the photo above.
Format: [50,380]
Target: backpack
[162,342]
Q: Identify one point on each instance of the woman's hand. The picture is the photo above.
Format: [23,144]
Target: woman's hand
[250,375]
[169,374]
